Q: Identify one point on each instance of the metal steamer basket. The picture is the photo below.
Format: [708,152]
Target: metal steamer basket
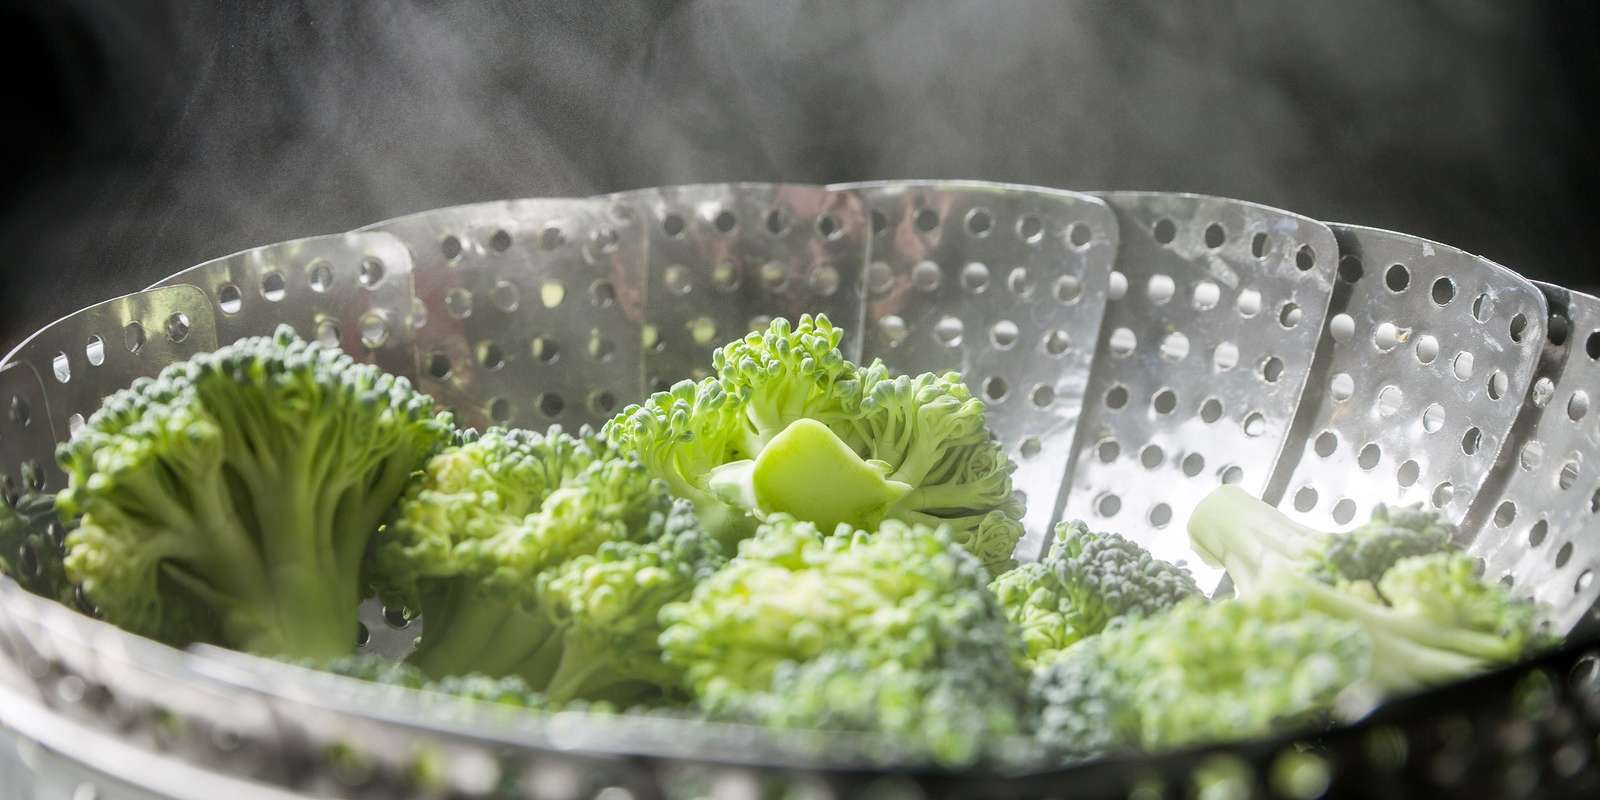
[1135,350]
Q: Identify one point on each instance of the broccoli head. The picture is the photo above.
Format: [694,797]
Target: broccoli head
[539,555]
[885,631]
[1256,535]
[1085,581]
[231,498]
[788,425]
[1430,615]
[606,606]
[1200,672]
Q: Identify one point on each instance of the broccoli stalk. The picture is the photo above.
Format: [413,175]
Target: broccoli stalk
[1429,614]
[232,497]
[1257,537]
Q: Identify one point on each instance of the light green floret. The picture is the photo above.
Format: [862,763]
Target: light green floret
[231,498]
[540,556]
[1198,673]
[789,426]
[885,631]
[1430,615]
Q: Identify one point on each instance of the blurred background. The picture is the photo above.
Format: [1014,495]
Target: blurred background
[149,136]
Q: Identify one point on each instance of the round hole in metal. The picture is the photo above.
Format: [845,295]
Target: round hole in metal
[1432,418]
[996,388]
[1444,290]
[1368,457]
[979,222]
[1397,278]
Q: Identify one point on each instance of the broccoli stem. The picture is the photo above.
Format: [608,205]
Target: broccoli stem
[1239,533]
[478,633]
[809,472]
[583,671]
[308,620]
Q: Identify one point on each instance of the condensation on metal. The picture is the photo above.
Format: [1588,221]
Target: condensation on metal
[1535,522]
[528,312]
[726,259]
[1420,372]
[352,289]
[1215,310]
[85,356]
[1007,285]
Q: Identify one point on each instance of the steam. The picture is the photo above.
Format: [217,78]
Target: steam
[209,128]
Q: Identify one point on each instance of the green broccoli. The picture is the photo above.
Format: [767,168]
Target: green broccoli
[890,631]
[1084,582]
[541,556]
[231,498]
[606,608]
[1199,672]
[1255,535]
[31,536]
[1431,616]
[789,426]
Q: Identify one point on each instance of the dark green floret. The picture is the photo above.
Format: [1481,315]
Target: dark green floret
[1086,581]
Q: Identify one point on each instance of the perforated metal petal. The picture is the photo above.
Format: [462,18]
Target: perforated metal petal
[352,289]
[1216,306]
[1422,365]
[1536,520]
[27,443]
[85,356]
[725,259]
[528,311]
[1006,284]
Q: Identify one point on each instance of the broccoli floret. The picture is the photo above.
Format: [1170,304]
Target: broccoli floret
[1200,672]
[789,426]
[606,609]
[1086,580]
[539,556]
[885,631]
[230,499]
[1255,534]
[31,536]
[953,715]
[1442,622]
[681,435]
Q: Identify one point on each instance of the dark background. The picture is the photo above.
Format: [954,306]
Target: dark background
[147,136]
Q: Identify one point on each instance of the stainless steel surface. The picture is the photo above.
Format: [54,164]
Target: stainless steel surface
[1421,370]
[352,289]
[527,311]
[1215,311]
[26,440]
[1137,346]
[1007,285]
[724,260]
[81,358]
[1536,518]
